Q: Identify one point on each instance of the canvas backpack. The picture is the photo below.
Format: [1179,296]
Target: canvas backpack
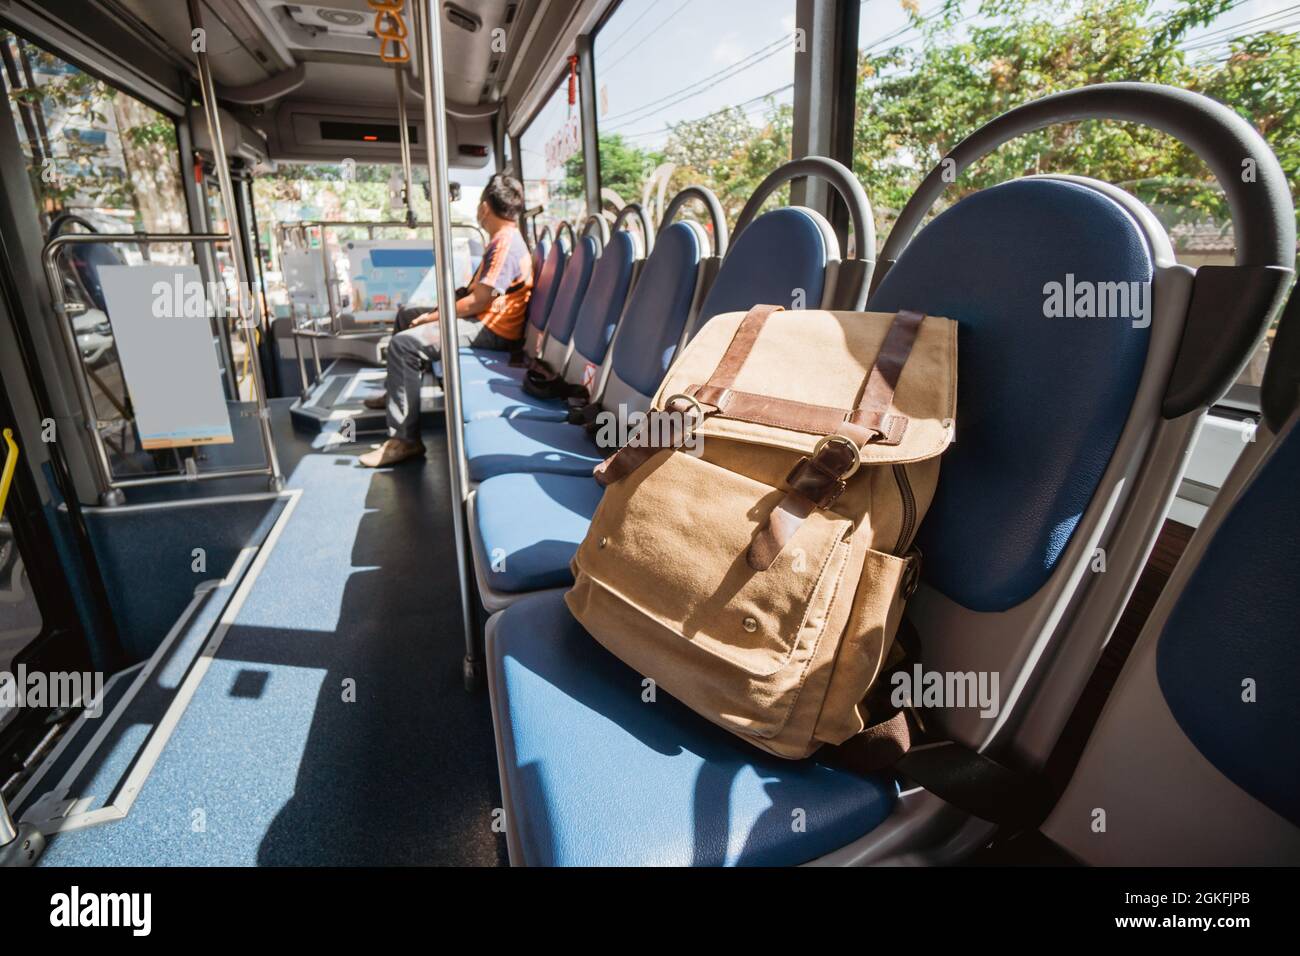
[753,550]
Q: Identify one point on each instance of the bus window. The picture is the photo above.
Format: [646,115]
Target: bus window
[713,110]
[552,160]
[360,198]
[92,150]
[929,76]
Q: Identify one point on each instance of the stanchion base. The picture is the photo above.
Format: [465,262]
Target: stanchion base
[472,672]
[24,849]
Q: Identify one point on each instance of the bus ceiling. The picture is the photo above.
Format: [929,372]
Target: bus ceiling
[306,79]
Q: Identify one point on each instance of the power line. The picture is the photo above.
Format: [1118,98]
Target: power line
[737,106]
[695,83]
[614,42]
[609,68]
[1286,17]
[699,86]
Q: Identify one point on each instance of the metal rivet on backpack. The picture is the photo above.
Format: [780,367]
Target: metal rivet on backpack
[750,624]
[602,542]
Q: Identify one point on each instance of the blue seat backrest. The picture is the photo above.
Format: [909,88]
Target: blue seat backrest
[602,306]
[573,286]
[546,284]
[658,309]
[779,255]
[1041,401]
[1239,617]
[540,252]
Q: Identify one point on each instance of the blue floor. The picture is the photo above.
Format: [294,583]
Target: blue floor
[270,764]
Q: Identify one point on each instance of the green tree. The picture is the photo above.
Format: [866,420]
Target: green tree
[624,166]
[729,153]
[916,100]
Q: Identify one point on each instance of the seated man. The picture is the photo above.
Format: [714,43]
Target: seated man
[490,315]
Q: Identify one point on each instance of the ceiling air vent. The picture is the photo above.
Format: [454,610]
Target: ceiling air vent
[340,18]
[462,18]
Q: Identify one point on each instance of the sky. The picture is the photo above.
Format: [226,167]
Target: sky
[663,61]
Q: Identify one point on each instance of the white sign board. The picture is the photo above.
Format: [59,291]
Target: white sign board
[304,276]
[169,361]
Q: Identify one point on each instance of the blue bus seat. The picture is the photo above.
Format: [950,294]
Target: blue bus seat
[598,318]
[1179,720]
[652,326]
[559,325]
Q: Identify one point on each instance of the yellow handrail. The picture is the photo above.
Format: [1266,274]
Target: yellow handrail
[11,464]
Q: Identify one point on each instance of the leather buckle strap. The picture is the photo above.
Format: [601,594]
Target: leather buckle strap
[816,481]
[742,343]
[643,446]
[823,476]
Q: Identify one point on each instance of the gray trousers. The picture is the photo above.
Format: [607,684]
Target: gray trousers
[410,352]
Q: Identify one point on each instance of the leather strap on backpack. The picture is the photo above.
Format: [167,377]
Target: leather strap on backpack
[632,456]
[674,420]
[816,481]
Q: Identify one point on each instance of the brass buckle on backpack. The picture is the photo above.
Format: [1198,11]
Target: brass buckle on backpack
[695,407]
[857,454]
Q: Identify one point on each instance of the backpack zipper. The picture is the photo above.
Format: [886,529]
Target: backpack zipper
[909,508]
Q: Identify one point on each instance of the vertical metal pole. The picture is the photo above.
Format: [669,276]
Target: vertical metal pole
[208,92]
[404,137]
[587,119]
[428,14]
[8,832]
[331,292]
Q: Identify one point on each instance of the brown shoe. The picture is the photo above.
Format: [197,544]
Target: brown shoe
[392,452]
[377,402]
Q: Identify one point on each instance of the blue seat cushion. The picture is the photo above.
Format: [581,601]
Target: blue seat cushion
[1239,616]
[481,365]
[1041,400]
[497,446]
[530,526]
[592,775]
[507,399]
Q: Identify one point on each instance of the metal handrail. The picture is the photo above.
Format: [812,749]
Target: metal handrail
[111,487]
[429,58]
[208,96]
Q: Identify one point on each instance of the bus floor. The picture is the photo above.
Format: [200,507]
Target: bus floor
[332,726]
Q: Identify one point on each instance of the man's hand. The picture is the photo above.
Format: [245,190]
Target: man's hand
[425,319]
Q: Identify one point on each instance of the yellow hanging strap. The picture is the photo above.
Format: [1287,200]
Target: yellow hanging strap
[11,464]
[390,27]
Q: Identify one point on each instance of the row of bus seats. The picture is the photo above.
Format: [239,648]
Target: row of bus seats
[1072,437]
[534,469]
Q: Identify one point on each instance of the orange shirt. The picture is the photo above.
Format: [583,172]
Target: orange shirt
[507,267]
